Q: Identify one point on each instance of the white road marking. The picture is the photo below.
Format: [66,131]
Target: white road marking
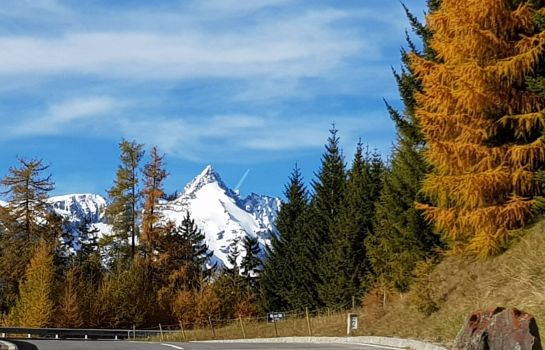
[173,346]
[378,346]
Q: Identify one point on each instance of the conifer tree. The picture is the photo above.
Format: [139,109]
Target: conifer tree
[154,175]
[124,194]
[344,279]
[35,305]
[27,189]
[284,277]
[232,259]
[183,262]
[401,235]
[230,284]
[184,249]
[27,192]
[68,314]
[482,128]
[250,264]
[329,192]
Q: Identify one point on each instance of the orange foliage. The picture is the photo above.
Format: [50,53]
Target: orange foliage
[479,123]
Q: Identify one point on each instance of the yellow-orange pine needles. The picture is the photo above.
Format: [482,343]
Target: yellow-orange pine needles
[479,122]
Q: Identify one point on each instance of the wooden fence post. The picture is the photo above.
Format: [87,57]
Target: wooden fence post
[212,326]
[183,330]
[308,323]
[242,327]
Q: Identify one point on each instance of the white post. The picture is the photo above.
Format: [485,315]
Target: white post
[56,336]
[3,335]
[28,336]
[86,337]
[116,338]
[161,330]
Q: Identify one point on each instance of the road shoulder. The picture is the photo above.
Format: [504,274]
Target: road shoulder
[367,340]
[6,345]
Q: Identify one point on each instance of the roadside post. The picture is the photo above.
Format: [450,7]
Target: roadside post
[351,323]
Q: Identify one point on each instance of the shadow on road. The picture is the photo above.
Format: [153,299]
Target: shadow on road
[23,345]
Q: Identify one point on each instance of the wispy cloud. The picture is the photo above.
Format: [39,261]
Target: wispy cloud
[305,47]
[65,117]
[244,138]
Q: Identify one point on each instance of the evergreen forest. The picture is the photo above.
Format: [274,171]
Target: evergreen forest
[465,174]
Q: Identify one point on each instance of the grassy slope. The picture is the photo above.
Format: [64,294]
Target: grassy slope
[461,285]
[458,286]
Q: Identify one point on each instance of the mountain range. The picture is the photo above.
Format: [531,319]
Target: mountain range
[221,213]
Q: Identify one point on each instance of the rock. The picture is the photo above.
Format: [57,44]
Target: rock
[499,329]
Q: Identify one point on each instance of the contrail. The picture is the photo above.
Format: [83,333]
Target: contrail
[241,181]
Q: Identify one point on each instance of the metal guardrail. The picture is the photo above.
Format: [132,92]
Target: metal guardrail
[82,333]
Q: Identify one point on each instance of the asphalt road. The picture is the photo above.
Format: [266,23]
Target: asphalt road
[128,345]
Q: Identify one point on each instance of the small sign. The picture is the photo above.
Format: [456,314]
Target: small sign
[273,317]
[351,323]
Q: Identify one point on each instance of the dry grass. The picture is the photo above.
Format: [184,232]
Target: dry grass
[462,285]
[459,285]
[333,325]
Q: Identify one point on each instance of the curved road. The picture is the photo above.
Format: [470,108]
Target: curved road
[129,345]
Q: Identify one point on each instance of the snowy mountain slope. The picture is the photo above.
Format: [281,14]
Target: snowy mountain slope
[217,210]
[77,207]
[222,215]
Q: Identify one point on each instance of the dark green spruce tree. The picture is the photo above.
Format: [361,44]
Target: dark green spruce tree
[285,281]
[183,248]
[329,193]
[349,265]
[250,265]
[402,237]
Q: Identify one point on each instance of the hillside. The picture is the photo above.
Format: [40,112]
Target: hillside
[459,285]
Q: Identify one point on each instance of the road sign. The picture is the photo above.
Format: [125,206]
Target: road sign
[351,323]
[275,317]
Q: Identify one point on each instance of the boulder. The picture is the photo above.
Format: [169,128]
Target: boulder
[499,329]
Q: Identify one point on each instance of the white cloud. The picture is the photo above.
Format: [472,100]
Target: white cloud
[290,49]
[244,138]
[66,116]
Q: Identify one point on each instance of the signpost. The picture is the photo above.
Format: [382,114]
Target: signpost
[273,317]
[351,323]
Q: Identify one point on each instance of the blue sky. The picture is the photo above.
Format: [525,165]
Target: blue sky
[239,84]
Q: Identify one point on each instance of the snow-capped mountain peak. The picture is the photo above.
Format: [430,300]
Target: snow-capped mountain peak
[218,211]
[207,176]
[77,207]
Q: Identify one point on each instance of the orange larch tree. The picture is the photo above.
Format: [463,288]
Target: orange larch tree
[154,176]
[483,128]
